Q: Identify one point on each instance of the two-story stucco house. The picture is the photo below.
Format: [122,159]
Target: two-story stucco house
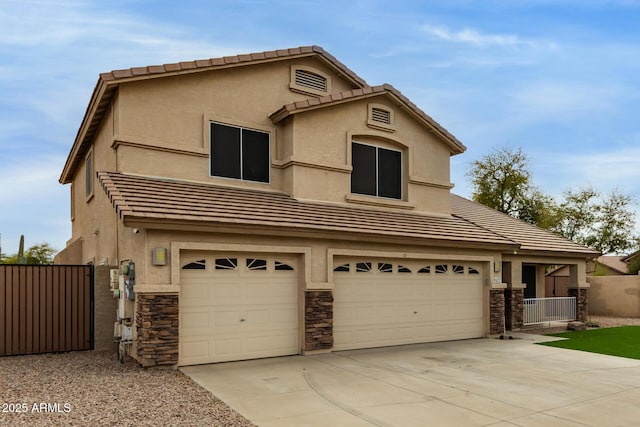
[274,203]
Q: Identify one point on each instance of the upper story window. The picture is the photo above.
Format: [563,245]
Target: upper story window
[309,81]
[88,168]
[377,171]
[73,203]
[239,153]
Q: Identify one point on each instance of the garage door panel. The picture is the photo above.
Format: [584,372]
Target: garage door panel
[225,318]
[238,307]
[375,308]
[197,293]
[280,342]
[194,321]
[196,349]
[228,346]
[224,292]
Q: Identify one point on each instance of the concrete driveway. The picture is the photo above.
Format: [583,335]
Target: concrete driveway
[463,383]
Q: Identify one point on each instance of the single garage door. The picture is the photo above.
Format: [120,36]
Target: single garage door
[236,307]
[380,302]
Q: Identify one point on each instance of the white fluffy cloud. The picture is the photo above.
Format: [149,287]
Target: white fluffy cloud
[477,38]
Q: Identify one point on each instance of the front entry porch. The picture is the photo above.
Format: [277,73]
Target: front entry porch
[525,299]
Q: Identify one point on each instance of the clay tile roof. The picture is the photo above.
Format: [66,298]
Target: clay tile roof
[203,63]
[137,198]
[122,74]
[631,256]
[187,65]
[104,88]
[231,59]
[153,69]
[352,95]
[614,262]
[530,238]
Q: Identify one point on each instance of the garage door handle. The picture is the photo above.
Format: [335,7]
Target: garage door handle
[242,320]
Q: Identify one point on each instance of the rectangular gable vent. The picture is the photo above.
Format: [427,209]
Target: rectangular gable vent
[381,116]
[310,80]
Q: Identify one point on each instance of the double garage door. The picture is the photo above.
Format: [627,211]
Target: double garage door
[380,302]
[240,306]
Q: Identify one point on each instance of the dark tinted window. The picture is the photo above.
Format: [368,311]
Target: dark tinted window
[89,174]
[225,151]
[195,265]
[376,171]
[362,267]
[281,266]
[226,263]
[256,264]
[403,269]
[255,155]
[363,177]
[239,153]
[389,174]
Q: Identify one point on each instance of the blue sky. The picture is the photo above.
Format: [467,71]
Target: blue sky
[559,78]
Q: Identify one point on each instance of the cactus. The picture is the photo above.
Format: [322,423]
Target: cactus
[21,258]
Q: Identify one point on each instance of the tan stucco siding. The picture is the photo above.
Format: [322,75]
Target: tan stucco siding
[164,124]
[323,137]
[95,220]
[430,199]
[319,250]
[184,166]
[615,296]
[308,183]
[169,111]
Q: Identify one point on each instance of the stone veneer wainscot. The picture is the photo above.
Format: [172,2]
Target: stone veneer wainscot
[318,320]
[514,308]
[496,311]
[157,327]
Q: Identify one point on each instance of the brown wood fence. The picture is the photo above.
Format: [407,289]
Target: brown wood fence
[556,286]
[46,308]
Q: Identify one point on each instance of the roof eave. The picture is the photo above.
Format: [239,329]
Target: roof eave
[560,253]
[67,172]
[130,219]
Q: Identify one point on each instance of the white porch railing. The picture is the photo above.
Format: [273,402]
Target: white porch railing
[540,310]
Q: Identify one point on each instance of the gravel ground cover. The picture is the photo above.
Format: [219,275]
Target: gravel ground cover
[94,389]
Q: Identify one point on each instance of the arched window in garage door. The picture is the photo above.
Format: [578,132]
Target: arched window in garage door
[195,265]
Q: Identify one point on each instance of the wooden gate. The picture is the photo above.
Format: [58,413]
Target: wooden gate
[46,308]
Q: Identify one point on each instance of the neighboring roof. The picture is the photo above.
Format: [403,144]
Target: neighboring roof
[530,237]
[631,256]
[108,82]
[143,199]
[613,262]
[367,92]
